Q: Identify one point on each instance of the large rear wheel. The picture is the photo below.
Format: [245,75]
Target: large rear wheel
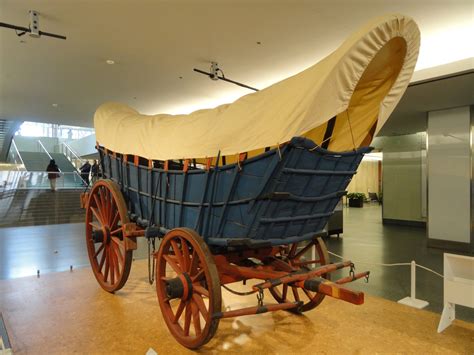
[188,287]
[300,256]
[106,216]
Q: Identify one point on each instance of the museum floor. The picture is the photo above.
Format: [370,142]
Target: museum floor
[67,312]
[63,312]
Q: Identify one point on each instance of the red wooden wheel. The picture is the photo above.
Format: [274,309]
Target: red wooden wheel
[188,287]
[106,214]
[294,257]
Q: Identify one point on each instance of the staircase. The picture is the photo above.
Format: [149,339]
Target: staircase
[40,207]
[35,161]
[62,162]
[38,161]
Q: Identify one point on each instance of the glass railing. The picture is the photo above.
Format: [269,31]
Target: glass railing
[20,180]
[71,155]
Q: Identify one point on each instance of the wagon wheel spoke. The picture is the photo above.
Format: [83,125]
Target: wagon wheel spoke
[110,207]
[179,256]
[115,220]
[308,294]
[196,320]
[102,260]
[98,204]
[173,265]
[199,276]
[112,265]
[187,319]
[179,311]
[117,261]
[107,264]
[97,215]
[95,226]
[105,207]
[304,250]
[201,290]
[293,249]
[118,251]
[285,292]
[295,293]
[186,257]
[200,305]
[116,231]
[194,263]
[99,249]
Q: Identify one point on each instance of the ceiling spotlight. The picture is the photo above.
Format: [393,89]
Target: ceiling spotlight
[55,105]
[110,61]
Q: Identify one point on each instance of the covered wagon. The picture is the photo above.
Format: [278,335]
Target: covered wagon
[243,191]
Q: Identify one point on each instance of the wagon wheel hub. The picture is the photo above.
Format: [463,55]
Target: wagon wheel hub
[107,235]
[180,287]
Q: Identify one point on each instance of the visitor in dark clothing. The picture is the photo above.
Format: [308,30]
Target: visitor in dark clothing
[53,174]
[85,170]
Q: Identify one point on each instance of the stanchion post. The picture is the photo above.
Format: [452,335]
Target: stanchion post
[411,300]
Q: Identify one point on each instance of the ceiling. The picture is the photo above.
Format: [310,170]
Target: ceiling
[429,95]
[156,44]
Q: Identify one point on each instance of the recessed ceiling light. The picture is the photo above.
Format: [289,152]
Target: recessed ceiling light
[55,105]
[110,61]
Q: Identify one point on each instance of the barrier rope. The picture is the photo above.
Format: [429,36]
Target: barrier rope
[393,264]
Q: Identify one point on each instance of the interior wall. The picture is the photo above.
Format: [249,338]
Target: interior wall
[402,178]
[84,146]
[449,176]
[367,178]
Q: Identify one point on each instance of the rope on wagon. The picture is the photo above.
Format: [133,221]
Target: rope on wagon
[393,264]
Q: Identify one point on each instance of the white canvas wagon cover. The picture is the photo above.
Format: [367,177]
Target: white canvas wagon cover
[363,79]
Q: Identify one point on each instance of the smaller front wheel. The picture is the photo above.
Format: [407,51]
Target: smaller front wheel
[188,287]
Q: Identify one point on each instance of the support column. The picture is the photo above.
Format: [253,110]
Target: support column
[449,178]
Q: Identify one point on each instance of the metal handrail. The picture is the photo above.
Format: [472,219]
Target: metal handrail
[73,152]
[17,152]
[42,146]
[49,155]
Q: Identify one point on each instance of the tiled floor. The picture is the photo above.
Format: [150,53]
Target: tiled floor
[53,248]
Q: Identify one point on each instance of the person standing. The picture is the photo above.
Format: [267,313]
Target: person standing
[85,171]
[95,171]
[53,174]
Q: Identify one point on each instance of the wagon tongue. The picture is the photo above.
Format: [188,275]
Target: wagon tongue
[318,284]
[313,280]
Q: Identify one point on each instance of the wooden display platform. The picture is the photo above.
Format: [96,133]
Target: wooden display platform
[68,312]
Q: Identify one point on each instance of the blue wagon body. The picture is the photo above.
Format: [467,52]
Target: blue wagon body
[282,196]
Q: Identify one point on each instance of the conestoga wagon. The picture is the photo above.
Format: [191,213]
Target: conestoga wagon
[243,191]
